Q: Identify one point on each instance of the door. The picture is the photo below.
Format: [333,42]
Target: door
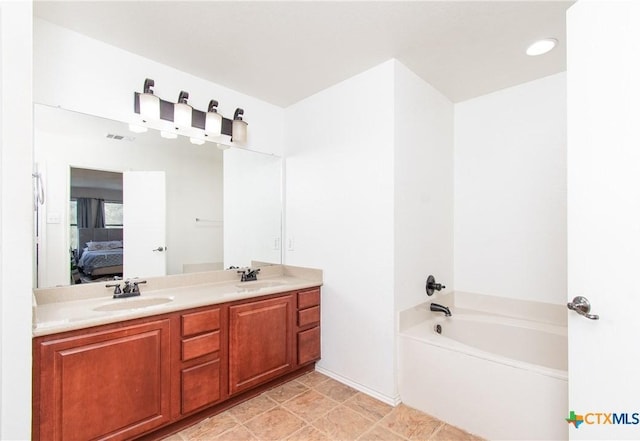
[144,217]
[603,66]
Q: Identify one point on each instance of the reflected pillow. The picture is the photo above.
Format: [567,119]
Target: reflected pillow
[106,245]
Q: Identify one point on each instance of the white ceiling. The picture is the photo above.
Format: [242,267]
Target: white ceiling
[282,52]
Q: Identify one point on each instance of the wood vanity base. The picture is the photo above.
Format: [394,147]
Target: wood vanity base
[150,377]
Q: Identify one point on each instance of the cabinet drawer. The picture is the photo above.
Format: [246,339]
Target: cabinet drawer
[201,345]
[200,386]
[199,322]
[309,316]
[309,345]
[309,298]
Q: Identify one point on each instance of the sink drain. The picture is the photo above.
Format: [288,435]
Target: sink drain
[438,329]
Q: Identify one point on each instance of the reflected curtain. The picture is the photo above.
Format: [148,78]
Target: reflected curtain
[90,213]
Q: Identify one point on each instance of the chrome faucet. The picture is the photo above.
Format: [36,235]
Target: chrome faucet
[439,308]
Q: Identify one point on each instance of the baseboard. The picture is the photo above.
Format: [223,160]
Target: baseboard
[392,401]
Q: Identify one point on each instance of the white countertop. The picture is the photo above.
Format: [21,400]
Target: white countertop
[69,308]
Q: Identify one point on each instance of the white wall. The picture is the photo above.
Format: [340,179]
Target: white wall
[15,220]
[339,192]
[510,192]
[423,188]
[369,193]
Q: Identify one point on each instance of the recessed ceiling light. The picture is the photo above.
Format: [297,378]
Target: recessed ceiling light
[542,46]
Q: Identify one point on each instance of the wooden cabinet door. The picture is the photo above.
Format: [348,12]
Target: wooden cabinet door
[111,384]
[260,341]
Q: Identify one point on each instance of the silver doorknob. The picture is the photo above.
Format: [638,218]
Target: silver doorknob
[159,249]
[582,306]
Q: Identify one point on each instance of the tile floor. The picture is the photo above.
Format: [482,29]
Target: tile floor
[315,407]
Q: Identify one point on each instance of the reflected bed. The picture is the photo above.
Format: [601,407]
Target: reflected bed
[100,251]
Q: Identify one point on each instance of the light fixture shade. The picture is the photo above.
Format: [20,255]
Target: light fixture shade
[238,128]
[196,141]
[149,103]
[149,107]
[182,112]
[213,121]
[239,132]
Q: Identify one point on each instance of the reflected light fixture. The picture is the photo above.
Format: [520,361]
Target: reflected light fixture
[541,46]
[182,112]
[239,128]
[213,122]
[149,103]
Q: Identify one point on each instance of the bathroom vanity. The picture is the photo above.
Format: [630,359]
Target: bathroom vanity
[117,371]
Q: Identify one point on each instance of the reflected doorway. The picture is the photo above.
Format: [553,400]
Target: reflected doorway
[95,225]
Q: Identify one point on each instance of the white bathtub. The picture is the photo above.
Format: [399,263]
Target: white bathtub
[495,376]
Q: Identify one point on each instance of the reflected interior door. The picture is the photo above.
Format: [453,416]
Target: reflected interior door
[144,218]
[603,83]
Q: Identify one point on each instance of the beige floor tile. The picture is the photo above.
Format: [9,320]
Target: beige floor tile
[175,437]
[336,390]
[275,424]
[315,407]
[254,407]
[368,406]
[238,433]
[309,433]
[286,391]
[310,405]
[452,433]
[410,423]
[343,424]
[210,428]
[312,379]
[379,433]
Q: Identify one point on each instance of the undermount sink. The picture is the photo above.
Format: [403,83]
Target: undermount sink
[259,284]
[131,303]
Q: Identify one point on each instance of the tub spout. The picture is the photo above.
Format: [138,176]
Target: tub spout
[439,308]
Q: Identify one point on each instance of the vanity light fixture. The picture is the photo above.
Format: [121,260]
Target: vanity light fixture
[239,128]
[541,46]
[149,103]
[213,121]
[196,141]
[173,119]
[182,112]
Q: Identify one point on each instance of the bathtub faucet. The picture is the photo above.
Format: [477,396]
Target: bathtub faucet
[439,308]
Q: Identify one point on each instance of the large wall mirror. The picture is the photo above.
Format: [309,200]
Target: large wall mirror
[124,204]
